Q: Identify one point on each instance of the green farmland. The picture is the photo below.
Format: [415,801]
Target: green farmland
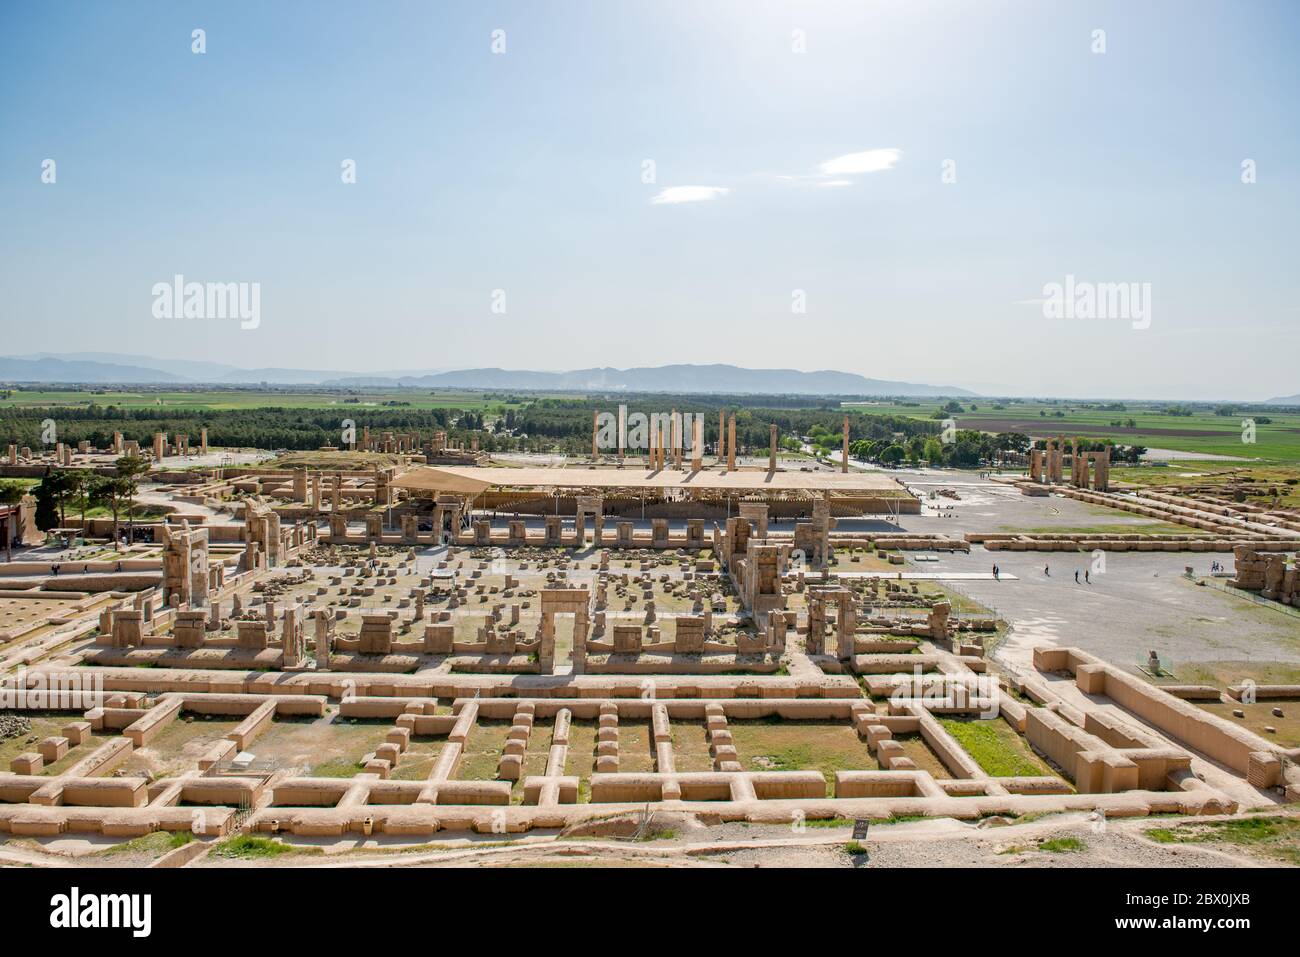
[1202,432]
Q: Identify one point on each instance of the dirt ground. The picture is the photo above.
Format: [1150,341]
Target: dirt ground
[675,840]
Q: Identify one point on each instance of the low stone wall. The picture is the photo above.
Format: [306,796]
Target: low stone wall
[1230,745]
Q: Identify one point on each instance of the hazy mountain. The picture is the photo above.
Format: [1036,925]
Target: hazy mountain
[214,372]
[111,368]
[1285,400]
[672,378]
[183,368]
[98,373]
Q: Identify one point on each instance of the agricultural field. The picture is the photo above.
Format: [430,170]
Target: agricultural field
[1203,432]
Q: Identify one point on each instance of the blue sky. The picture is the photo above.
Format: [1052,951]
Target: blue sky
[523,172]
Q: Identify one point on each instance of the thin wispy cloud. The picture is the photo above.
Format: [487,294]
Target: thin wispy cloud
[868,161]
[689,194]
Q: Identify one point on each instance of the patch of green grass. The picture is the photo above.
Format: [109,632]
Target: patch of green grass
[665,835]
[250,846]
[1275,837]
[854,848]
[159,842]
[1059,845]
[336,768]
[995,746]
[830,822]
[1119,528]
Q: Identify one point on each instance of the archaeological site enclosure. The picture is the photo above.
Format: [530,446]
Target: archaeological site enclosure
[448,645]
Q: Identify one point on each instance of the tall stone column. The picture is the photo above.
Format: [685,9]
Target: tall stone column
[846,625]
[844,465]
[697,443]
[622,431]
[731,443]
[771,453]
[323,628]
[1101,478]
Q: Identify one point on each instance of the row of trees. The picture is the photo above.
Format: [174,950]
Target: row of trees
[270,428]
[540,425]
[62,490]
[965,448]
[968,448]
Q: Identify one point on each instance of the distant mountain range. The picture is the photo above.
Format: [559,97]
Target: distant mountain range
[103,368]
[1285,400]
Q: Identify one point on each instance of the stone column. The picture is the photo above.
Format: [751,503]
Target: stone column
[622,431]
[731,443]
[846,624]
[203,440]
[771,454]
[291,638]
[323,629]
[697,443]
[1101,478]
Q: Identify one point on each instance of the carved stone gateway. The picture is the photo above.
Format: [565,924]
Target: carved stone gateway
[560,601]
[185,567]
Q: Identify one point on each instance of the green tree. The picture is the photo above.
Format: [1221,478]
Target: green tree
[129,468]
[63,485]
[47,509]
[112,493]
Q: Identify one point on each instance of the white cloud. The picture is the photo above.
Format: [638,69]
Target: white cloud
[689,194]
[870,161]
[836,182]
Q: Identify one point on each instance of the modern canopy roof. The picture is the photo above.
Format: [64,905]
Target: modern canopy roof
[426,479]
[471,480]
